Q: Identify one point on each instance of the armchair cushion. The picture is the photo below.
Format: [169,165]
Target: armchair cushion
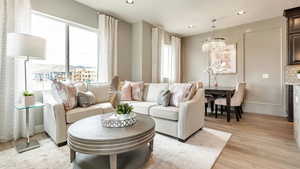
[140,107]
[169,113]
[83,112]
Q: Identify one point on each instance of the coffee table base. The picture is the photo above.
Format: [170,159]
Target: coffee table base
[112,157]
[24,146]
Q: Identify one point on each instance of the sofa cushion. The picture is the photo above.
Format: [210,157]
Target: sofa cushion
[83,112]
[152,90]
[102,91]
[169,113]
[140,107]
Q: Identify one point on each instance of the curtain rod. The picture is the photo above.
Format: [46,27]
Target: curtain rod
[103,13]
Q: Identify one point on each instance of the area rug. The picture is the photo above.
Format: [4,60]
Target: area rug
[200,152]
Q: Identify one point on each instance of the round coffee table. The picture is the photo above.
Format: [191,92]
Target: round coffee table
[88,136]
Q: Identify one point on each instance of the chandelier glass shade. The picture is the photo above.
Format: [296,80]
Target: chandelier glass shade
[214,44]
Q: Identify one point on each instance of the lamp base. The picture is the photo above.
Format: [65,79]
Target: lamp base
[24,146]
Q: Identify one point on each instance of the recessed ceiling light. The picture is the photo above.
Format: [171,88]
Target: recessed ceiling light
[240,12]
[191,26]
[130,2]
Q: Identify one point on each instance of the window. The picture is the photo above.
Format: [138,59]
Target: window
[83,54]
[71,53]
[166,62]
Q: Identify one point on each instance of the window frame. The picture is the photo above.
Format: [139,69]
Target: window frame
[67,38]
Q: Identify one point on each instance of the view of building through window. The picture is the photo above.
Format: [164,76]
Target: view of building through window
[83,54]
[83,45]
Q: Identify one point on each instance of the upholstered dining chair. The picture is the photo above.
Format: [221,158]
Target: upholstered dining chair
[208,98]
[235,103]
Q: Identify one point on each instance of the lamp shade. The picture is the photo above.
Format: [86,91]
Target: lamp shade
[24,45]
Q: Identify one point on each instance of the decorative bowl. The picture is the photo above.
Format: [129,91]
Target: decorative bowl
[119,120]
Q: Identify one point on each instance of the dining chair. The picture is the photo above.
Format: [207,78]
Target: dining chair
[208,98]
[235,102]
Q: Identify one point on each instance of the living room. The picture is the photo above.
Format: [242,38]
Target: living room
[134,84]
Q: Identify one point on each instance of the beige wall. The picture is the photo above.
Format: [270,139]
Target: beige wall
[67,9]
[137,51]
[261,49]
[142,51]
[124,50]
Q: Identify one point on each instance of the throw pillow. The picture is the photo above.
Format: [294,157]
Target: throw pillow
[164,98]
[126,91]
[81,86]
[191,93]
[179,91]
[86,99]
[137,89]
[102,91]
[67,93]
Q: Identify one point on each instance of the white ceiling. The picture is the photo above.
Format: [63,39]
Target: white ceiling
[176,15]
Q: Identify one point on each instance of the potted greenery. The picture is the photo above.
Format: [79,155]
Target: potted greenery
[29,99]
[124,110]
[298,74]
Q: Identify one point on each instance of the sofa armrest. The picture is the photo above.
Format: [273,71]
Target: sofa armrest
[54,118]
[191,115]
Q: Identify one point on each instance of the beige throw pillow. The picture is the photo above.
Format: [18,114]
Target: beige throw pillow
[66,93]
[126,91]
[179,92]
[137,89]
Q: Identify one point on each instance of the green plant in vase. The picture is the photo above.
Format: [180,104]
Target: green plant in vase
[27,93]
[123,109]
[298,74]
[29,98]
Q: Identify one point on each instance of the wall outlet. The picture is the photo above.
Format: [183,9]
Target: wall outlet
[265,76]
[296,99]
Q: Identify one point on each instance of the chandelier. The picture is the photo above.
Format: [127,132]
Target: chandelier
[214,43]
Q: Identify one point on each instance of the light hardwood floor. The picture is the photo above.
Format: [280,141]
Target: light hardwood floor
[257,142]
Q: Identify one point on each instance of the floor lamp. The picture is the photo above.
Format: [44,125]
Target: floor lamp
[25,46]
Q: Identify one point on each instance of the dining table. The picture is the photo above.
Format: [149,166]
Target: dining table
[226,92]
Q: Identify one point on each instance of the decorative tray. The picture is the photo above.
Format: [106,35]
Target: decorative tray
[119,121]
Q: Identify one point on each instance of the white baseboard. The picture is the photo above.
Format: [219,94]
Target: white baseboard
[268,109]
[39,129]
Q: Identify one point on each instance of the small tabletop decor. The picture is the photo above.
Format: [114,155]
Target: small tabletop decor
[123,117]
[298,74]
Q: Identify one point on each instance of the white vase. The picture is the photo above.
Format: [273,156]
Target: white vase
[29,101]
[298,75]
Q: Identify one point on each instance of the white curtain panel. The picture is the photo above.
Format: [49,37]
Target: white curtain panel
[108,49]
[14,17]
[157,42]
[175,60]
[166,57]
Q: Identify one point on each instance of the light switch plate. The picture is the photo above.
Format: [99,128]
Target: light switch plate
[265,76]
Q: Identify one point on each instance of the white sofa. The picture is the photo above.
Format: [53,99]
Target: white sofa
[180,122]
